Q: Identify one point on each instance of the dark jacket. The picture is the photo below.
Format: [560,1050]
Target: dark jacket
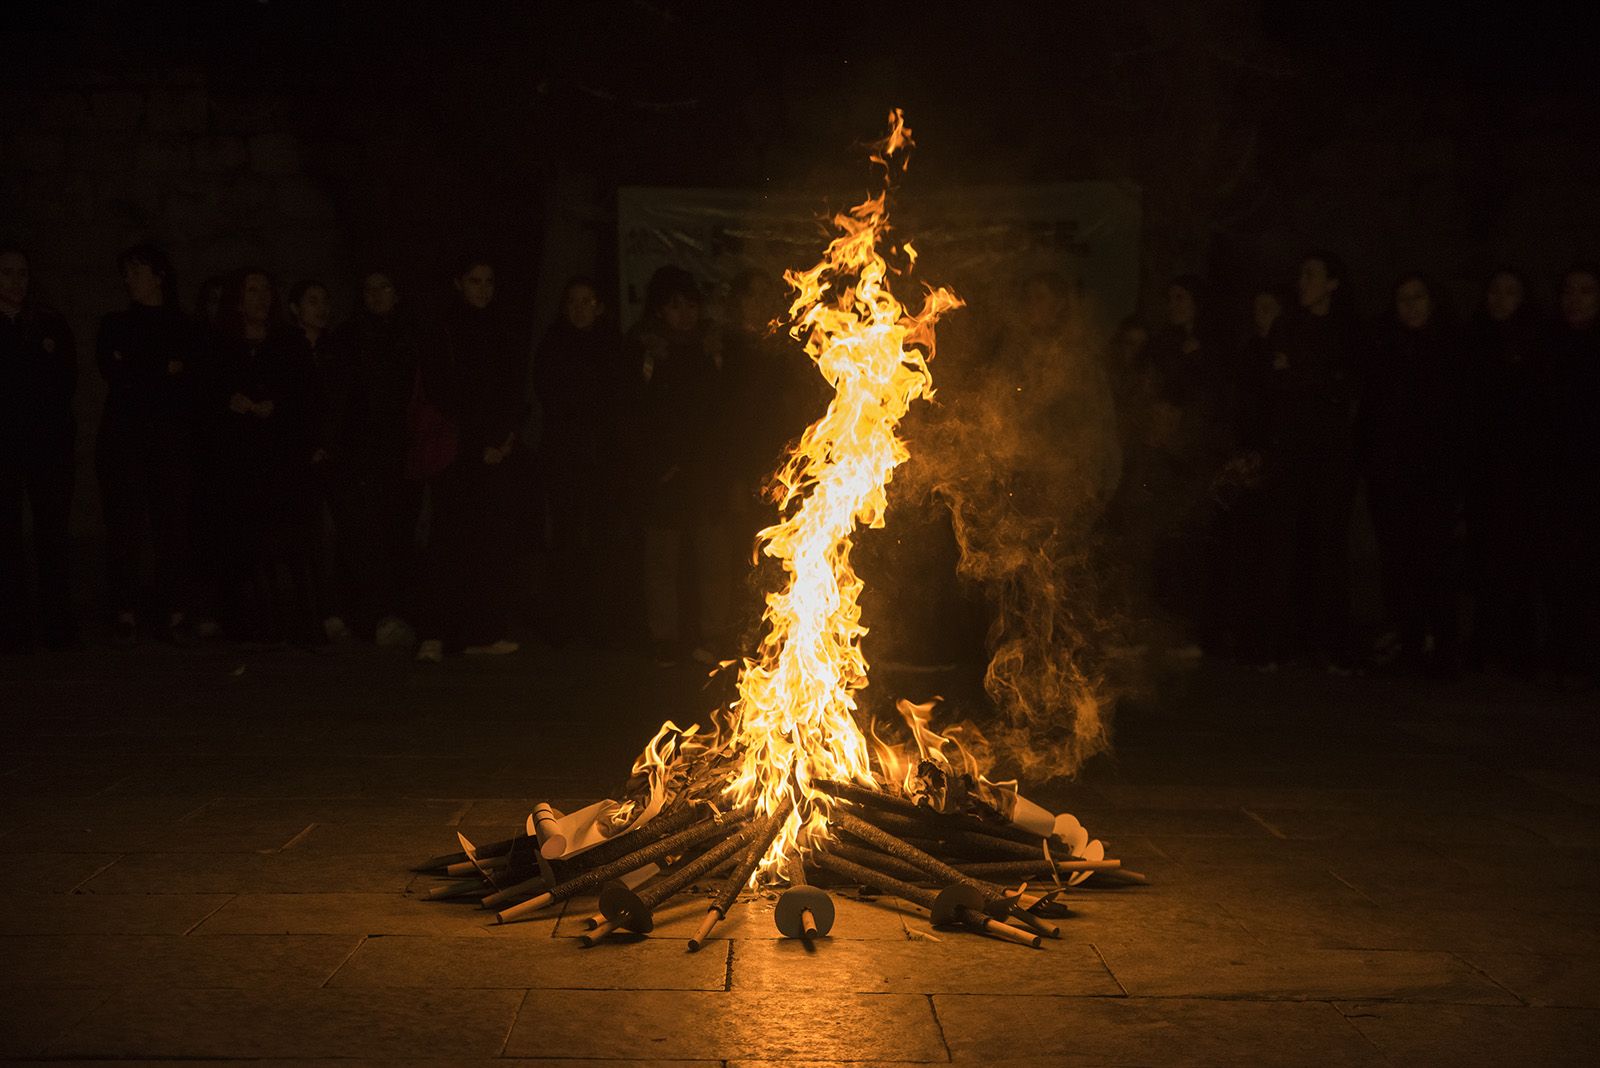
[772,393]
[1570,399]
[582,392]
[39,364]
[1415,407]
[480,384]
[148,357]
[1308,396]
[682,403]
[369,382]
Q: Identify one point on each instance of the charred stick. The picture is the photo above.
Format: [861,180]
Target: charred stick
[760,842]
[996,900]
[929,864]
[900,806]
[1022,869]
[966,840]
[956,903]
[493,849]
[596,877]
[665,824]
[459,888]
[623,907]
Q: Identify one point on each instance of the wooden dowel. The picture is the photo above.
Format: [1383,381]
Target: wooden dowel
[666,823]
[595,877]
[1015,869]
[760,842]
[905,807]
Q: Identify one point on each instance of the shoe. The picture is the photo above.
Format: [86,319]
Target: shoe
[335,629]
[392,631]
[430,652]
[502,647]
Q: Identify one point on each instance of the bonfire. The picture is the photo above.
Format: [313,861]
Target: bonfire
[788,790]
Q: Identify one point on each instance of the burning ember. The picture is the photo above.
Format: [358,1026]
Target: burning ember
[788,780]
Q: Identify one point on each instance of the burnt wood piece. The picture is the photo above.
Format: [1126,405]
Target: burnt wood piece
[607,852]
[759,844]
[953,903]
[900,806]
[594,878]
[1022,869]
[963,840]
[632,910]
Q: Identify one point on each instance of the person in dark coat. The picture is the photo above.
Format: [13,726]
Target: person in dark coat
[1571,399]
[312,345]
[370,384]
[1503,501]
[262,399]
[1304,430]
[582,393]
[672,348]
[38,432]
[1191,435]
[479,389]
[772,393]
[143,452]
[1412,438]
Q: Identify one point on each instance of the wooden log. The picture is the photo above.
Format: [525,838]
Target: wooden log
[594,878]
[1022,869]
[947,905]
[665,823]
[634,910]
[759,844]
[943,821]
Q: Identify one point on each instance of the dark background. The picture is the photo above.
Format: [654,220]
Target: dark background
[315,139]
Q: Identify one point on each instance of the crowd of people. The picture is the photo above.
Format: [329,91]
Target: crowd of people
[1472,437]
[269,475]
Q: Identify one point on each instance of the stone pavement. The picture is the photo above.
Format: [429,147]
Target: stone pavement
[204,856]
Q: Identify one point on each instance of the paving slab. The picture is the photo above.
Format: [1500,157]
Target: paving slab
[309,810]
[49,873]
[287,872]
[742,1024]
[163,961]
[1134,1031]
[367,914]
[1244,971]
[962,963]
[90,914]
[1564,981]
[477,963]
[1478,1036]
[29,1024]
[178,1023]
[124,836]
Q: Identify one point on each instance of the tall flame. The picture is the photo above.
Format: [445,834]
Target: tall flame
[794,719]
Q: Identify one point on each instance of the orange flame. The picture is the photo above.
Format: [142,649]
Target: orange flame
[794,720]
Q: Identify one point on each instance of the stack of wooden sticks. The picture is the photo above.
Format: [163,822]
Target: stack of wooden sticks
[974,873]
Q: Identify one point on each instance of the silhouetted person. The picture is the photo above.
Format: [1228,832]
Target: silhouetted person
[1190,437]
[143,451]
[687,592]
[473,539]
[1572,352]
[266,439]
[1504,507]
[1307,404]
[371,388]
[580,385]
[1412,437]
[38,433]
[772,393]
[312,345]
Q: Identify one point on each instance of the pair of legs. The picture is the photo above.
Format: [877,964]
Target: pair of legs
[40,486]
